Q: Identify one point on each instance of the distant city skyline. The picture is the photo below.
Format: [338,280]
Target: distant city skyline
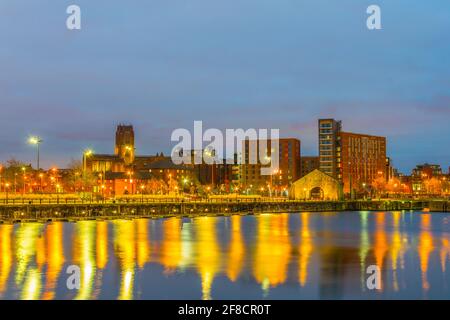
[253,64]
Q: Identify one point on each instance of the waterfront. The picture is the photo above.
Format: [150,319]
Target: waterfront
[267,256]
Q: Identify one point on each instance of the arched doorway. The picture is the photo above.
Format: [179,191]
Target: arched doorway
[316,193]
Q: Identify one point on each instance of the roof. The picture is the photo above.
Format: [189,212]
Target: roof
[104,157]
[165,163]
[140,175]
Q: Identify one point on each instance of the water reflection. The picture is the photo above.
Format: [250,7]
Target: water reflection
[84,256]
[305,249]
[26,240]
[268,255]
[273,250]
[125,249]
[425,248]
[171,247]
[208,253]
[54,257]
[236,250]
[6,258]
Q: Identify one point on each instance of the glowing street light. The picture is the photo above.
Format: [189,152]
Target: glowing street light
[87,153]
[7,190]
[36,141]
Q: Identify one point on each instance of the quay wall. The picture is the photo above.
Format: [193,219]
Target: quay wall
[13,213]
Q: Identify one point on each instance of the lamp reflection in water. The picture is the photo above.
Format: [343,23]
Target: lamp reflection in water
[273,250]
[54,257]
[125,248]
[208,253]
[187,246]
[445,250]
[425,247]
[142,242]
[396,248]
[84,256]
[236,249]
[381,246]
[5,256]
[364,247]
[305,249]
[102,244]
[170,253]
[25,246]
[32,286]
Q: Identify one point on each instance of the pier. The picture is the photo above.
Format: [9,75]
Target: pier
[62,209]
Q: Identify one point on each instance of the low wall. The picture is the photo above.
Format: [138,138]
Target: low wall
[54,211]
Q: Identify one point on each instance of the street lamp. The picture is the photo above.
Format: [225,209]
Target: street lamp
[40,179]
[7,189]
[87,153]
[1,169]
[24,178]
[34,140]
[142,193]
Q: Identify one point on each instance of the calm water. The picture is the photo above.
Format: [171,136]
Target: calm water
[271,256]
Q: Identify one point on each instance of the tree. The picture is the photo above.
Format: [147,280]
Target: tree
[156,186]
[77,180]
[433,186]
[172,186]
[379,184]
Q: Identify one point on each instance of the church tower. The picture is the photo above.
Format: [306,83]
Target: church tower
[125,143]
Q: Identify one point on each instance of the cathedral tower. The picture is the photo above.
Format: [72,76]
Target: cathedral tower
[125,143]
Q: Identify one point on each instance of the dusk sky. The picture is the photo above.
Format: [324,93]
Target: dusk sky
[160,65]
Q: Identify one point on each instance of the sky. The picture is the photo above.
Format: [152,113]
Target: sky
[160,65]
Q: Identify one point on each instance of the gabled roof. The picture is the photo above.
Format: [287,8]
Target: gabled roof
[317,172]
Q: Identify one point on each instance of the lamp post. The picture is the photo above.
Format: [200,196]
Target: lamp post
[7,189]
[34,140]
[87,153]
[15,182]
[40,181]
[130,174]
[142,193]
[364,189]
[23,186]
[1,169]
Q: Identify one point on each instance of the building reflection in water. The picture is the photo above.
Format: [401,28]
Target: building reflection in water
[125,249]
[6,258]
[142,242]
[380,244]
[445,250]
[236,249]
[364,247]
[425,247]
[27,275]
[272,251]
[84,257]
[170,254]
[32,286]
[102,245]
[305,248]
[208,253]
[32,256]
[187,246]
[54,257]
[396,248]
